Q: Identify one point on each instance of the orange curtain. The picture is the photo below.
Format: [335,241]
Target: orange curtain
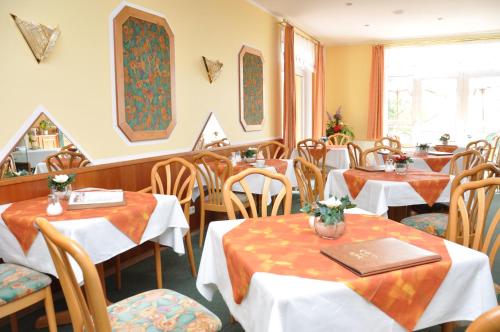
[375,115]
[318,107]
[289,110]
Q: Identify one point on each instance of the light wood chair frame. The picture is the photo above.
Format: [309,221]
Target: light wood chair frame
[216,144]
[495,150]
[309,180]
[354,152]
[388,141]
[482,146]
[470,159]
[273,150]
[304,147]
[339,139]
[375,150]
[487,322]
[55,162]
[232,201]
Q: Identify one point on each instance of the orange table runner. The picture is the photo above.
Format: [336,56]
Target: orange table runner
[445,148]
[436,163]
[428,185]
[278,164]
[286,245]
[318,153]
[131,219]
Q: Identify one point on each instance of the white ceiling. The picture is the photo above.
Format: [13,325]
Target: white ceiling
[335,22]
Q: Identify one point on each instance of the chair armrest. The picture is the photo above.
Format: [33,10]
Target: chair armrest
[146,190]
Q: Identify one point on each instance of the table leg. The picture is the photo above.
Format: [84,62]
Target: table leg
[100,271]
[448,327]
[62,318]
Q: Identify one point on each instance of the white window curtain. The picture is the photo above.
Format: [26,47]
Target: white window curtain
[446,88]
[304,53]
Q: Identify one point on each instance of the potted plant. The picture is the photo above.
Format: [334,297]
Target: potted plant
[401,163]
[60,185]
[335,125]
[423,149]
[250,155]
[329,216]
[444,139]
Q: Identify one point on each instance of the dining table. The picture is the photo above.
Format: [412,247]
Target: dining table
[272,276]
[337,156]
[377,191]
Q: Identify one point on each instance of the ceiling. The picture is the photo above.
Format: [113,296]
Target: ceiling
[368,21]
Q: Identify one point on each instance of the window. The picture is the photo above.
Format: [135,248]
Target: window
[432,90]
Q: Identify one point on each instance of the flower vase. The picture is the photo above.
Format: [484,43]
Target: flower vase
[444,142]
[332,231]
[62,194]
[400,168]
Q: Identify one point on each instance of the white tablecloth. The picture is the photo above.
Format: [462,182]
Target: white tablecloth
[276,303]
[377,196]
[33,156]
[98,237]
[336,157]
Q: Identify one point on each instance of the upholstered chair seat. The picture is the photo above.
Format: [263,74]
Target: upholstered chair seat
[432,223]
[17,281]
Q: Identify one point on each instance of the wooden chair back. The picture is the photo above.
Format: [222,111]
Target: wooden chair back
[309,180]
[495,150]
[469,207]
[88,313]
[65,160]
[469,159]
[314,151]
[355,152]
[212,171]
[482,146]
[392,142]
[231,200]
[70,147]
[339,139]
[374,156]
[216,144]
[273,150]
[487,322]
[8,166]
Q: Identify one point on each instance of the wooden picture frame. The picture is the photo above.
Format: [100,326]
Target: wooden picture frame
[251,81]
[145,96]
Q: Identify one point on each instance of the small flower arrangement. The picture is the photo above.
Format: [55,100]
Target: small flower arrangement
[401,159]
[250,153]
[335,124]
[330,211]
[445,138]
[60,182]
[424,147]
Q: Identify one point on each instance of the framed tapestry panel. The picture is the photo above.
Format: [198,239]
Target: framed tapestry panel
[251,74]
[144,69]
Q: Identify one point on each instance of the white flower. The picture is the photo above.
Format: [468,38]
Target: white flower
[332,202]
[61,178]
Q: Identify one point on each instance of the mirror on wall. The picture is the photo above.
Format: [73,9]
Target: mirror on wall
[43,148]
[212,135]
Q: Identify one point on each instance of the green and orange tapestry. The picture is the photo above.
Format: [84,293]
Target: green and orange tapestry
[253,89]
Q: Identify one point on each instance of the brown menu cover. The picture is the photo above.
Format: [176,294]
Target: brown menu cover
[378,256]
[380,168]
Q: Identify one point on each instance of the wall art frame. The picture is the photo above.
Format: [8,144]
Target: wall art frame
[144,74]
[251,85]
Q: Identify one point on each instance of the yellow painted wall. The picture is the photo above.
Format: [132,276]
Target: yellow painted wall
[347,83]
[74,84]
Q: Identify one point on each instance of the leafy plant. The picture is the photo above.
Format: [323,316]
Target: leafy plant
[423,147]
[331,211]
[445,137]
[250,153]
[335,124]
[60,182]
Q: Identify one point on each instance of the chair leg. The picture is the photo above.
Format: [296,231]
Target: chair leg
[13,323]
[118,272]
[190,253]
[448,327]
[159,277]
[49,310]
[202,225]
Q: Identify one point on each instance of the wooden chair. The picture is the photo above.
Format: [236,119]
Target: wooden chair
[89,312]
[495,150]
[392,142]
[8,166]
[232,200]
[70,147]
[339,139]
[164,183]
[482,146]
[309,180]
[273,150]
[469,159]
[376,151]
[487,322]
[313,151]
[21,288]
[212,171]
[65,160]
[216,144]
[437,223]
[355,152]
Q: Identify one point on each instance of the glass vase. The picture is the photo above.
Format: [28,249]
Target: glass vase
[330,232]
[62,194]
[400,168]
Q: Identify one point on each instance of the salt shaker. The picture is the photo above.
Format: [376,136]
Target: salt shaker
[54,208]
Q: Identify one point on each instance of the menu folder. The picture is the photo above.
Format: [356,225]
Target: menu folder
[371,257]
[91,199]
[379,168]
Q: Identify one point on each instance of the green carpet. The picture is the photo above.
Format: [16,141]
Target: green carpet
[177,276]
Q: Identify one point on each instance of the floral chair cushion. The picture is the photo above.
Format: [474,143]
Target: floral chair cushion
[17,281]
[432,223]
[161,310]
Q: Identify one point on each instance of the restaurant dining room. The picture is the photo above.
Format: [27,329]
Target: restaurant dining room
[250,165]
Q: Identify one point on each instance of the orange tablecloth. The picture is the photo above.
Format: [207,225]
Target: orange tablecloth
[428,185]
[278,164]
[318,153]
[436,163]
[286,245]
[445,148]
[131,219]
